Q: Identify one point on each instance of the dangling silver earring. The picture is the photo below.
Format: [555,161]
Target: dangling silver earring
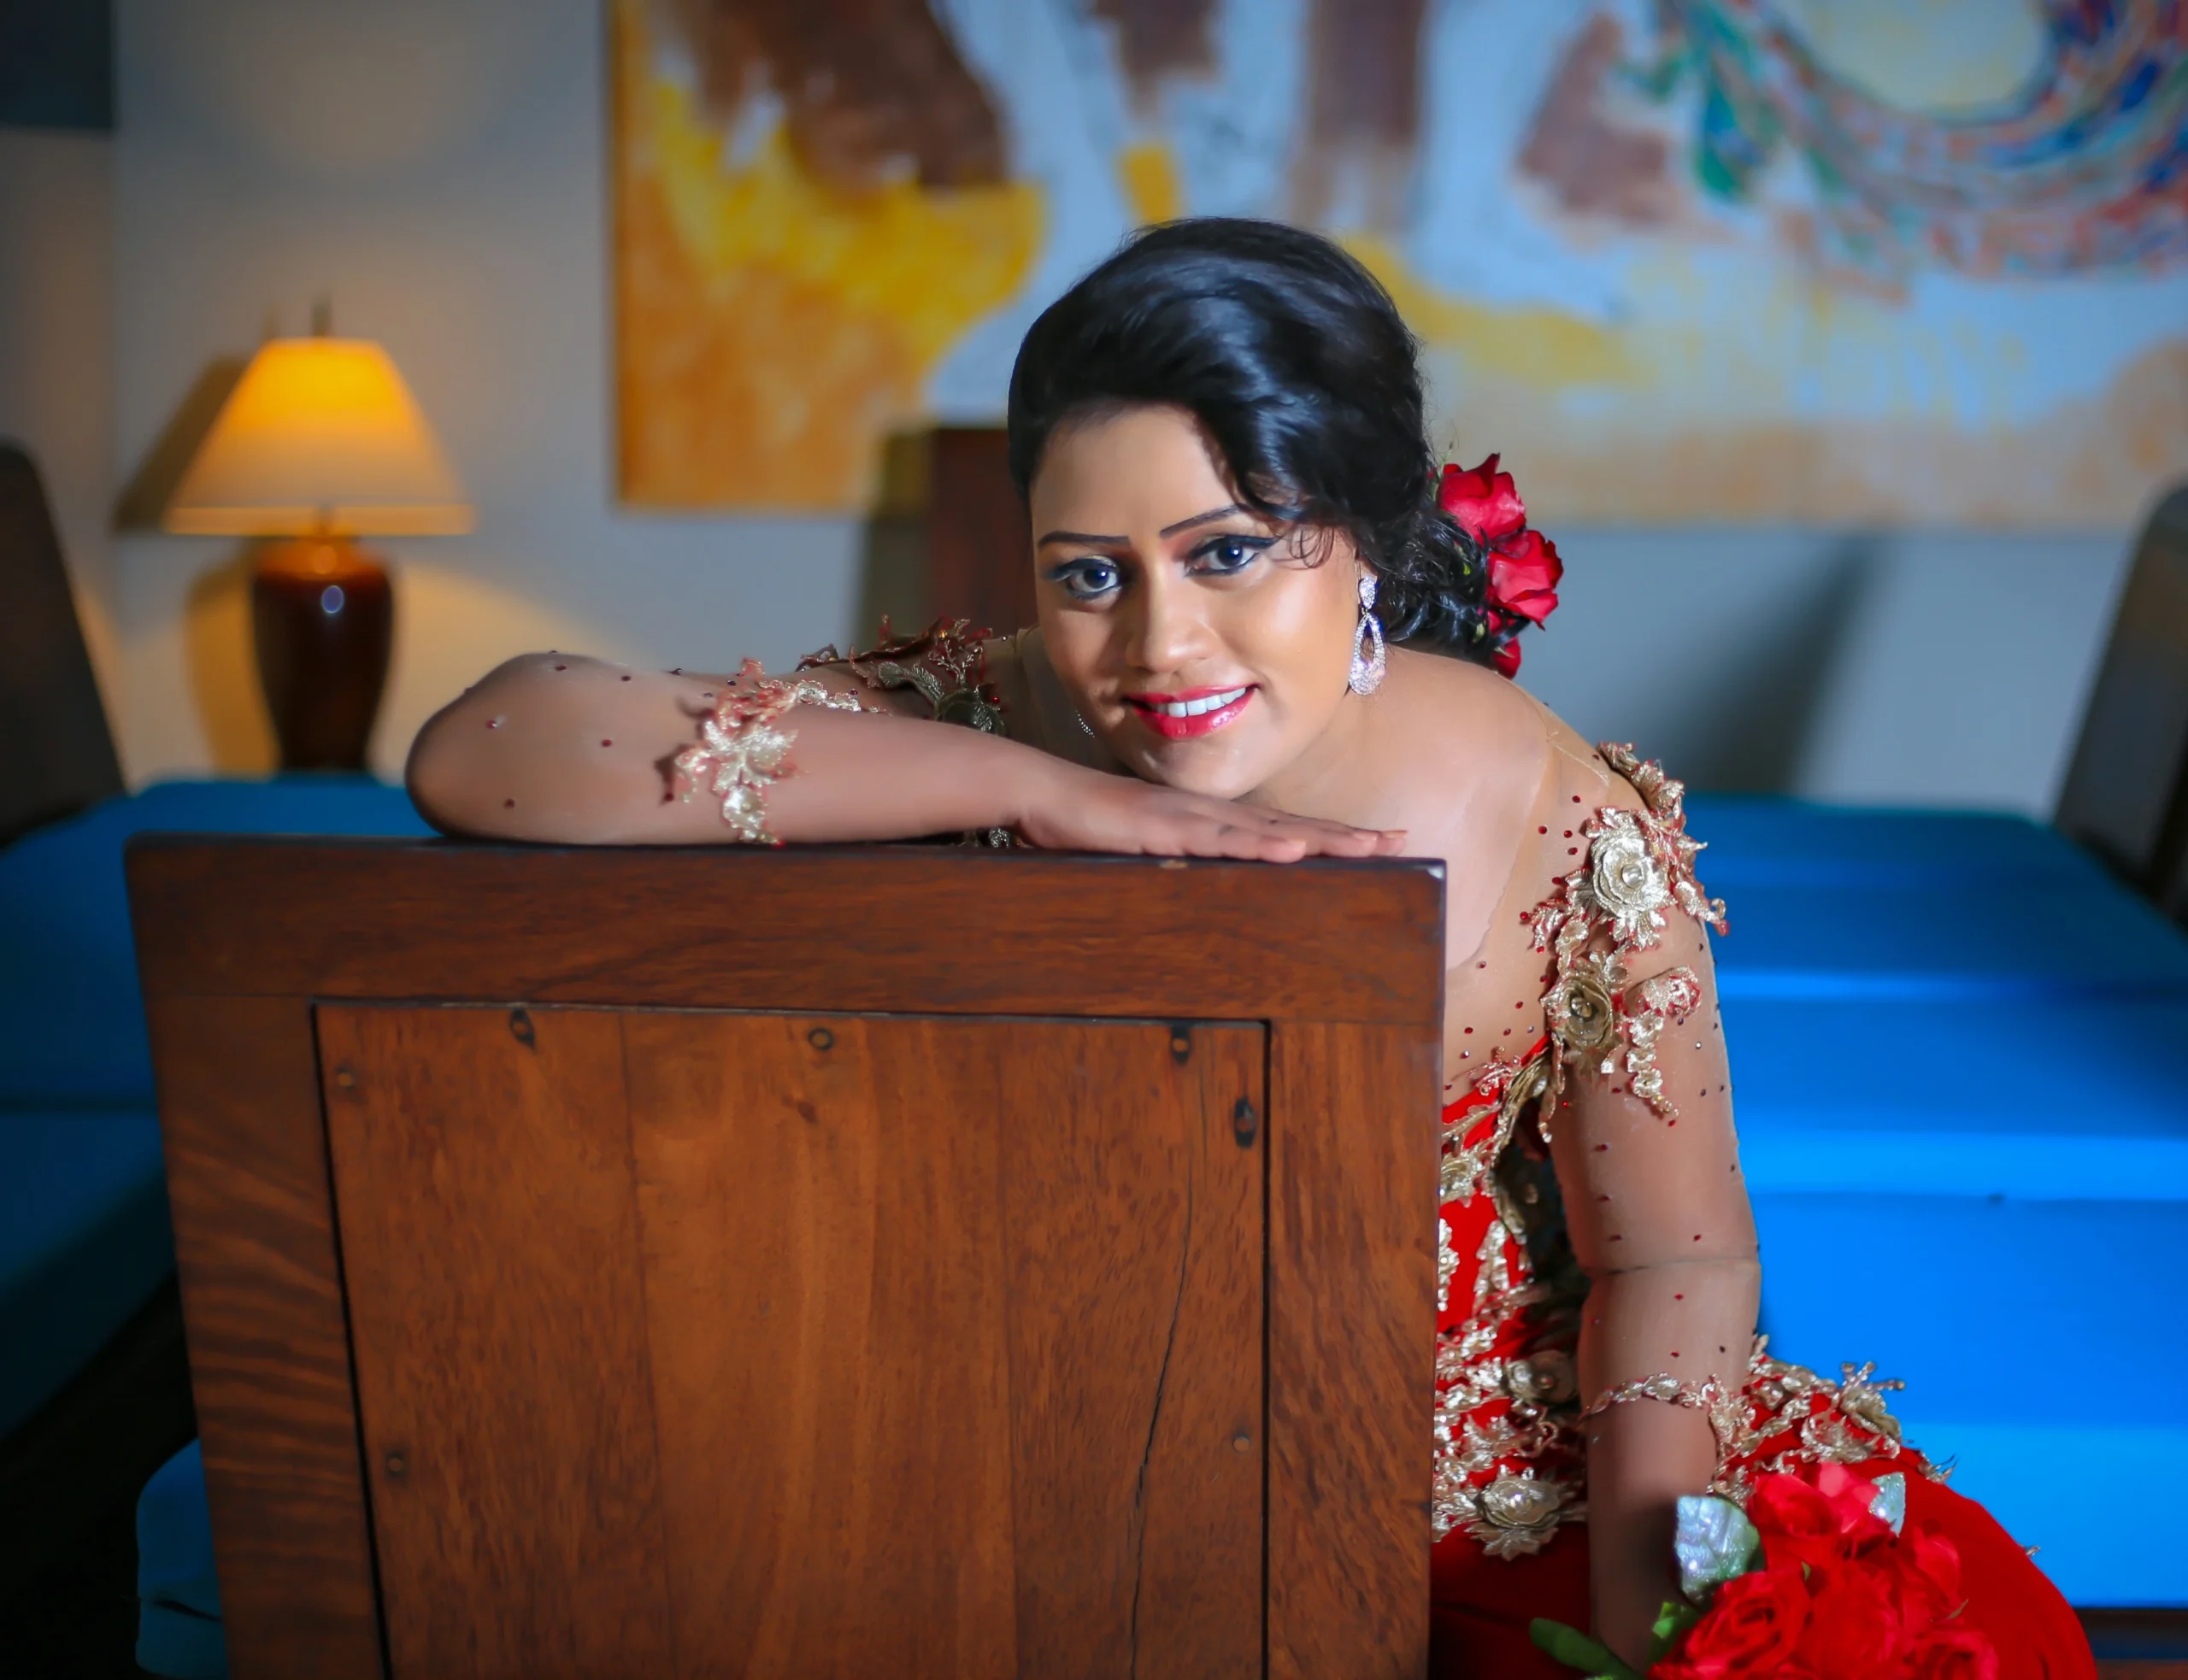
[1367,675]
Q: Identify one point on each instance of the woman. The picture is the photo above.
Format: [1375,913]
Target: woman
[1268,632]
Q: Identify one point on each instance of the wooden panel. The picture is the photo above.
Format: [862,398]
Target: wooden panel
[482,1169]
[825,1281]
[978,1301]
[1345,960]
[1351,1349]
[270,1357]
[729,927]
[980,545]
[1136,1206]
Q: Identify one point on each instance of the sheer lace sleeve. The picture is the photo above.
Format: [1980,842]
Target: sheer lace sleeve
[1639,1114]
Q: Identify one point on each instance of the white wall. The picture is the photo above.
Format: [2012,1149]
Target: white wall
[56,369]
[438,167]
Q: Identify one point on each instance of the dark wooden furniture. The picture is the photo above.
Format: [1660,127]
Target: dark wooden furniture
[56,755]
[2126,792]
[979,547]
[877,1261]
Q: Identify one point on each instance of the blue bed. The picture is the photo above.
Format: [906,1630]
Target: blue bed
[85,1241]
[1960,1052]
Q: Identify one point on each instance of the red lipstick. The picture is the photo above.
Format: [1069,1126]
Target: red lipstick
[1195,712]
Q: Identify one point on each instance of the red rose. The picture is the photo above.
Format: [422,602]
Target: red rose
[1524,570]
[1506,658]
[1928,1576]
[1953,1654]
[1854,1625]
[1753,1625]
[1799,1524]
[1484,500]
[1853,1499]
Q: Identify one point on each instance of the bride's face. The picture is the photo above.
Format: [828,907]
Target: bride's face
[1206,647]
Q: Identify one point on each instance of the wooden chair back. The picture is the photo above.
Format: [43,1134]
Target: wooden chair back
[56,754]
[807,1263]
[979,558]
[2126,791]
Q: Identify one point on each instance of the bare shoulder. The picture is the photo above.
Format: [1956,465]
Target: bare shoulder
[1469,730]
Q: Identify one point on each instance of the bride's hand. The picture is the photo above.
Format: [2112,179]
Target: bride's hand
[1087,811]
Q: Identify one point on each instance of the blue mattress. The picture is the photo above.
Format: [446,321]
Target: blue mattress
[84,1233]
[1762,840]
[179,1632]
[1957,1050]
[74,1032]
[84,1242]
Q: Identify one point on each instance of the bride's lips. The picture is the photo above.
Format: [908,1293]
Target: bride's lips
[1180,717]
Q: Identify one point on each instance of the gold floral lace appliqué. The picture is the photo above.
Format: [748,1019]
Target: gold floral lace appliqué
[1640,864]
[743,747]
[946,665]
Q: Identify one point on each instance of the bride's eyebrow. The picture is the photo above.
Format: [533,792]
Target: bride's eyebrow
[1086,539]
[1224,512]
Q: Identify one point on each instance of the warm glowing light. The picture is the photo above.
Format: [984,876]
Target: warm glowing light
[320,436]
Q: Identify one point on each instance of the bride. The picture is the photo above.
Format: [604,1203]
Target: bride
[1268,629]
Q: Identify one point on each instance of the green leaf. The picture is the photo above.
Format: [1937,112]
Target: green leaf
[1671,1623]
[1575,1649]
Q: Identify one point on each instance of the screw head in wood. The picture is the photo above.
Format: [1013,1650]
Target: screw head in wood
[820,1038]
[1242,1443]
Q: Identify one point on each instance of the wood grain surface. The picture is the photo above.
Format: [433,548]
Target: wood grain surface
[879,1261]
[1351,1257]
[753,1345]
[482,1172]
[860,928]
[269,1355]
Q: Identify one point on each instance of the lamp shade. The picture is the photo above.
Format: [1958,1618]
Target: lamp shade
[320,436]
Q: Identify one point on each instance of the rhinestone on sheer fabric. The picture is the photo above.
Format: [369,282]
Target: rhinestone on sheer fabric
[744,748]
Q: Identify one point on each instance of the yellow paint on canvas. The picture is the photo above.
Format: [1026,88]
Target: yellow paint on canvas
[1545,347]
[1152,187]
[774,328]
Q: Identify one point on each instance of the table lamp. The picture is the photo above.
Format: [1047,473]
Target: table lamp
[320,442]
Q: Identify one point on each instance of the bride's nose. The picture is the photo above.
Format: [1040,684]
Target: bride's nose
[1165,625]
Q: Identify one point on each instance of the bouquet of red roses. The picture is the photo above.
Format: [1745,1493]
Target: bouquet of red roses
[1820,1578]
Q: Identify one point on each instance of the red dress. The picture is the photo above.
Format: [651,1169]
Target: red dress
[1574,1167]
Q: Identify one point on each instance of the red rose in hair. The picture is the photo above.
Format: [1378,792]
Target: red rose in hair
[1485,502]
[1953,1654]
[1853,1626]
[1523,575]
[1524,569]
[1753,1626]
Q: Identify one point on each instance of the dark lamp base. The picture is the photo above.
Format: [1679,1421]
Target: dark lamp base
[323,618]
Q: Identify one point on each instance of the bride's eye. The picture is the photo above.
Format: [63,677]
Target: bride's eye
[1086,579]
[1229,552]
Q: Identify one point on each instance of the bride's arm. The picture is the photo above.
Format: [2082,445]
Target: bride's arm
[1658,1208]
[557,747]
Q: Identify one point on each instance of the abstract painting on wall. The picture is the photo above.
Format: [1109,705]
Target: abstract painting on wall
[1855,262]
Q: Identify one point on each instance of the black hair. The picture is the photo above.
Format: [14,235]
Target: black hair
[1296,361]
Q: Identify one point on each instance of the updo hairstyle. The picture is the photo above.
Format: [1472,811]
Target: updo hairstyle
[1295,360]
